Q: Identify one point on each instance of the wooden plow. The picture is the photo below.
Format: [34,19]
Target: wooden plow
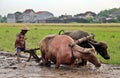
[32,52]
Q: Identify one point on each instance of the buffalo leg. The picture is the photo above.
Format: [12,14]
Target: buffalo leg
[72,65]
[57,64]
[83,63]
[42,62]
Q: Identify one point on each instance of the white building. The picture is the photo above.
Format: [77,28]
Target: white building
[41,16]
[19,17]
[11,18]
[29,16]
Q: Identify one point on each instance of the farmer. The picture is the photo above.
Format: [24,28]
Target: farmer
[20,42]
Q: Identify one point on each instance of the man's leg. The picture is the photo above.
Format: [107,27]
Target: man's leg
[18,55]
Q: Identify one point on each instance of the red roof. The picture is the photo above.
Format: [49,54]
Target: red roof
[39,12]
[28,11]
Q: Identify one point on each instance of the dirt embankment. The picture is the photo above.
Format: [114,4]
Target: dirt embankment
[9,68]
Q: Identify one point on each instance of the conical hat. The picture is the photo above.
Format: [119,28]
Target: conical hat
[25,28]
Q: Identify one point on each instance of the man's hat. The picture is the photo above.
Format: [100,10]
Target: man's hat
[25,28]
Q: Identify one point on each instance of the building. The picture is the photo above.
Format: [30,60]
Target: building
[19,17]
[42,16]
[85,15]
[11,18]
[115,14]
[54,20]
[29,16]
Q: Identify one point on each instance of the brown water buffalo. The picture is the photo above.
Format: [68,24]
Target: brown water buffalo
[100,47]
[61,49]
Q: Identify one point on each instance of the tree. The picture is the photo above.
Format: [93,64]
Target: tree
[107,13]
[118,18]
[4,19]
[0,18]
[89,20]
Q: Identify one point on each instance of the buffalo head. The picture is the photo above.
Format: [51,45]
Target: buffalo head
[86,53]
[90,55]
[101,48]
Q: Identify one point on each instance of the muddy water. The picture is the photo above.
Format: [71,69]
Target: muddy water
[9,68]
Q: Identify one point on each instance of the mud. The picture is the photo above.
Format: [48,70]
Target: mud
[9,68]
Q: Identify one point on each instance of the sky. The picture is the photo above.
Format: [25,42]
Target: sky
[57,7]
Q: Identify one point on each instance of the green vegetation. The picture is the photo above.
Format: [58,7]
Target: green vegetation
[113,14]
[109,33]
[3,19]
[107,13]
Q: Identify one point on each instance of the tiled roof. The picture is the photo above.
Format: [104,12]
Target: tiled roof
[88,12]
[39,12]
[28,11]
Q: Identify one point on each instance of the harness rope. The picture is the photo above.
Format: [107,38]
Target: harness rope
[73,57]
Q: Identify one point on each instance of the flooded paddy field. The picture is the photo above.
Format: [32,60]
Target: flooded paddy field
[9,68]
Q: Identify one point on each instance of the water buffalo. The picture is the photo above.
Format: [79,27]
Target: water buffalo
[100,47]
[61,49]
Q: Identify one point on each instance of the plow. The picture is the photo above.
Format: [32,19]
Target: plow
[32,53]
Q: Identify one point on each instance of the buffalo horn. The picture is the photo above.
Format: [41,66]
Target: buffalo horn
[94,43]
[85,51]
[92,46]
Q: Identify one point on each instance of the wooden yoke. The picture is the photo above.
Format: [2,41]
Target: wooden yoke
[32,52]
[82,40]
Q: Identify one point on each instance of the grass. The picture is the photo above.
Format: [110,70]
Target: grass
[109,33]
